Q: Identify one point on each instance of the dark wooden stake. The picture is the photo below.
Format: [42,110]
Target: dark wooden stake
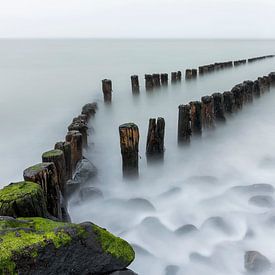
[196,124]
[149,84]
[238,96]
[228,102]
[135,83]
[164,79]
[107,90]
[194,73]
[156,80]
[188,74]
[174,77]
[207,112]
[179,76]
[155,137]
[184,124]
[218,107]
[129,141]
[248,91]
[67,151]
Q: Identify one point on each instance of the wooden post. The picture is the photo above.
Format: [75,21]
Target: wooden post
[155,138]
[89,110]
[238,96]
[196,125]
[256,88]
[107,90]
[218,107]
[272,78]
[267,83]
[184,125]
[164,79]
[174,77]
[188,74]
[194,73]
[129,140]
[67,151]
[75,139]
[248,91]
[149,85]
[135,83]
[179,76]
[228,102]
[57,157]
[207,112]
[82,127]
[45,175]
[156,80]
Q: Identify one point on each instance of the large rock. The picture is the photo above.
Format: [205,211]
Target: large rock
[256,262]
[23,199]
[124,272]
[41,246]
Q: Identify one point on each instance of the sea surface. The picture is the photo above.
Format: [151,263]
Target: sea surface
[210,184]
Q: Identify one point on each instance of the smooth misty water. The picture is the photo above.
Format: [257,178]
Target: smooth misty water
[45,83]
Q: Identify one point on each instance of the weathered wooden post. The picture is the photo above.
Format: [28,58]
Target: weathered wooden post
[196,124]
[272,78]
[129,140]
[81,126]
[155,138]
[228,102]
[184,124]
[179,76]
[164,79]
[156,80]
[89,110]
[107,90]
[67,151]
[75,139]
[57,157]
[248,91]
[45,175]
[218,107]
[256,89]
[188,74]
[194,73]
[135,83]
[267,83]
[238,96]
[207,112]
[174,77]
[149,84]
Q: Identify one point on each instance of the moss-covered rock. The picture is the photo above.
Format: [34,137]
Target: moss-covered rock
[41,246]
[23,199]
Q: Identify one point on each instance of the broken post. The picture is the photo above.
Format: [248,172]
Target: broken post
[218,107]
[207,112]
[135,83]
[107,90]
[196,125]
[184,125]
[228,102]
[155,137]
[129,140]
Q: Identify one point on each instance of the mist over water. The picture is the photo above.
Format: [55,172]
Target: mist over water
[207,185]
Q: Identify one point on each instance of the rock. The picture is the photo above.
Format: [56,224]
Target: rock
[141,204]
[254,188]
[262,201]
[40,246]
[84,171]
[123,272]
[23,199]
[217,223]
[197,257]
[186,229]
[90,193]
[256,262]
[171,270]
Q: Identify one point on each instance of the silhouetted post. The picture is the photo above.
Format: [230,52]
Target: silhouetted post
[174,77]
[89,110]
[228,102]
[194,73]
[256,88]
[272,78]
[238,96]
[135,83]
[184,124]
[201,71]
[57,157]
[164,79]
[149,84]
[67,151]
[80,126]
[179,76]
[188,74]
[107,90]
[45,175]
[248,91]
[207,112]
[155,138]
[196,125]
[156,80]
[129,140]
[75,139]
[218,107]
[267,83]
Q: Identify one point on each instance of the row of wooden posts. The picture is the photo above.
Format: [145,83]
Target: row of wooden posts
[192,119]
[58,165]
[154,81]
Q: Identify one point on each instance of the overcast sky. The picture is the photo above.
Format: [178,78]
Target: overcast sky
[138,18]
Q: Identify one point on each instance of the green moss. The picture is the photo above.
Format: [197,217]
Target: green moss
[31,234]
[117,247]
[18,190]
[37,167]
[52,153]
